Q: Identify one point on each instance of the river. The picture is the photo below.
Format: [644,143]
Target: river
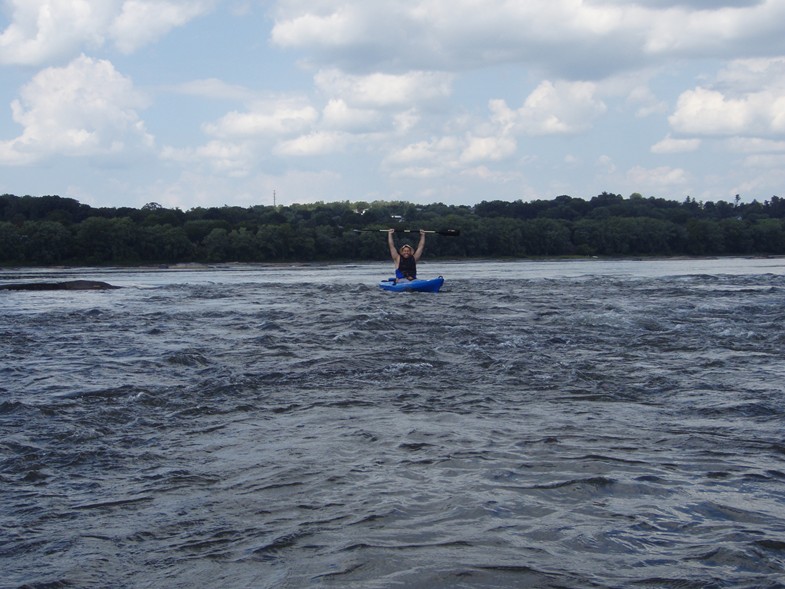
[549,424]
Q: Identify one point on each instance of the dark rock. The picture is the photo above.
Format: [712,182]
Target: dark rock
[67,285]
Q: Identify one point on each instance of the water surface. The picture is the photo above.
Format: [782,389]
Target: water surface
[536,424]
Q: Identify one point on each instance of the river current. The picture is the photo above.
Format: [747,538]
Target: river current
[571,424]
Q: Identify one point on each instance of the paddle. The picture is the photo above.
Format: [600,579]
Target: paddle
[447,232]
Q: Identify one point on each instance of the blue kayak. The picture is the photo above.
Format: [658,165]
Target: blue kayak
[432,285]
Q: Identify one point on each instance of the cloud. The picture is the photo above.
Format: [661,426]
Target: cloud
[436,157]
[748,98]
[338,115]
[84,109]
[753,145]
[694,30]
[233,159]
[767,161]
[709,112]
[671,145]
[382,90]
[425,159]
[214,89]
[660,177]
[567,39]
[266,119]
[342,24]
[368,108]
[481,149]
[141,22]
[646,102]
[687,4]
[444,35]
[198,188]
[468,145]
[606,164]
[552,108]
[317,143]
[44,31]
[426,151]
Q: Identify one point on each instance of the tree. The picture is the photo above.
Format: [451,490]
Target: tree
[10,243]
[704,237]
[46,242]
[216,245]
[768,235]
[100,240]
[547,237]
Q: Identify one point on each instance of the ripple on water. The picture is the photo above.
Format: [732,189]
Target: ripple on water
[578,432]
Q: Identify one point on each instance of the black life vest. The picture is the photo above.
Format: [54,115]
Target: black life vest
[407,267]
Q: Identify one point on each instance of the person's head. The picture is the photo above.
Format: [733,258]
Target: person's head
[406,250]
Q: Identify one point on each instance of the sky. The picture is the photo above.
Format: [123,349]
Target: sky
[201,103]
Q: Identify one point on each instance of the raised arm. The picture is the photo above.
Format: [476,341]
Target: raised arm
[420,246]
[390,242]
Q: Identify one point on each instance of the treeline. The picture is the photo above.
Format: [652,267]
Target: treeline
[51,230]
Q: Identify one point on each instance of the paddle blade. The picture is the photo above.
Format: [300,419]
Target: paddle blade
[450,232]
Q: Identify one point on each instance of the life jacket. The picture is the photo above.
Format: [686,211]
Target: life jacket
[407,268]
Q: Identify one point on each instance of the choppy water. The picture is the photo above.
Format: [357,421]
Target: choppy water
[567,424]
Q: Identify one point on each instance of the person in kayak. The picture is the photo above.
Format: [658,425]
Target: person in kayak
[405,258]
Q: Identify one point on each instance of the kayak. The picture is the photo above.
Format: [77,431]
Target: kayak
[418,285]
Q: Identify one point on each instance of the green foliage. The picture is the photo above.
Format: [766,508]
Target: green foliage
[54,230]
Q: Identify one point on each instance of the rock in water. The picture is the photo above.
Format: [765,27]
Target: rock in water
[67,285]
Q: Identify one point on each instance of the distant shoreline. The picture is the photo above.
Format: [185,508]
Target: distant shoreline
[312,264]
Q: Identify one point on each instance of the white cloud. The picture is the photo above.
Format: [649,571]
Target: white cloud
[671,145]
[606,164]
[216,89]
[201,188]
[753,145]
[266,119]
[381,90]
[426,159]
[660,177]
[767,161]
[696,31]
[419,172]
[42,31]
[749,75]
[438,156]
[234,159]
[405,121]
[84,109]
[143,21]
[426,151]
[342,24]
[564,38]
[748,98]
[646,102]
[552,108]
[357,107]
[479,149]
[709,112]
[318,143]
[338,115]
[470,145]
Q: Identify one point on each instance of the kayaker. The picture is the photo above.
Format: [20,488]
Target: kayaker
[405,258]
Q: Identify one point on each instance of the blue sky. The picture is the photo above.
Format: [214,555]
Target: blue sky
[222,102]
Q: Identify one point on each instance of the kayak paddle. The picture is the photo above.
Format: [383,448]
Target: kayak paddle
[447,232]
